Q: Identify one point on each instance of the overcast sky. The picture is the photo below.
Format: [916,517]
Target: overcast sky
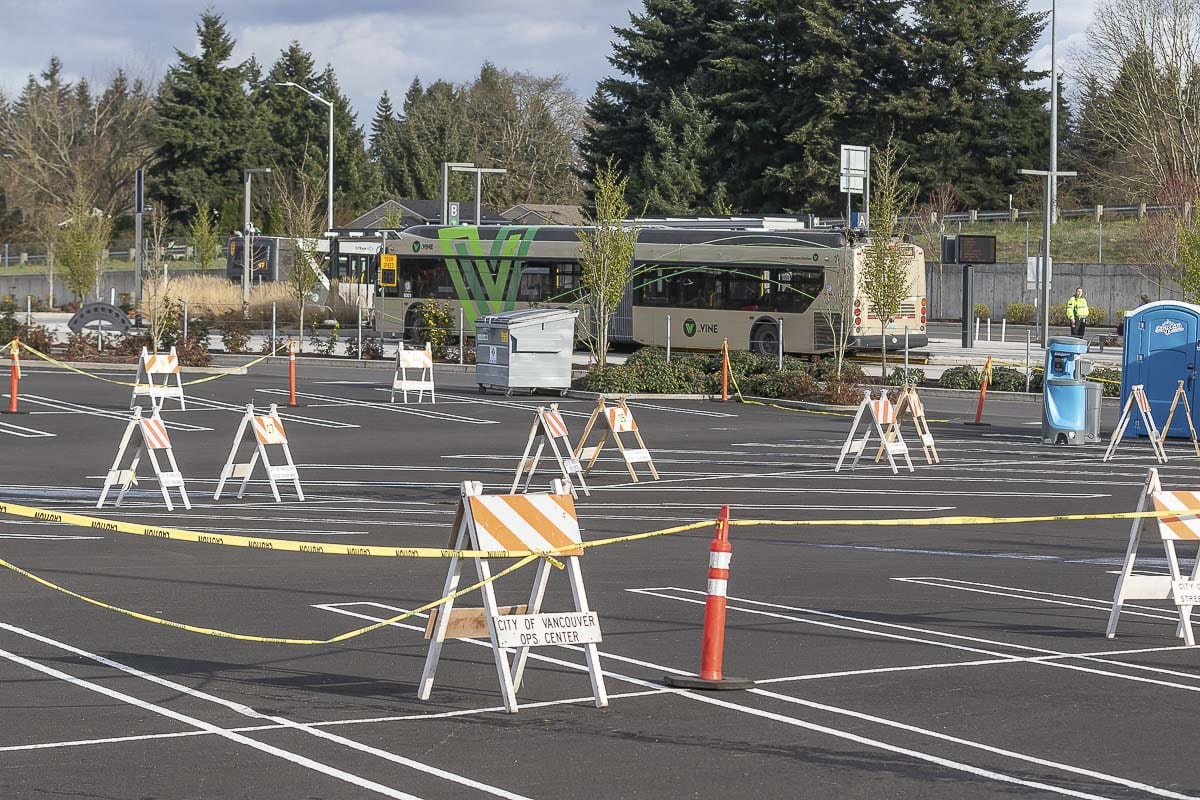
[372,44]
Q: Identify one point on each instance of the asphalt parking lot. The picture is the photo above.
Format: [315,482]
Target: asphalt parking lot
[943,661]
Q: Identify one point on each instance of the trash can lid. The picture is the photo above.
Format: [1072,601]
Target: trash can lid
[530,315]
[1070,343]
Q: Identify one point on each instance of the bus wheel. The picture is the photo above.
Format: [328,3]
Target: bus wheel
[764,339]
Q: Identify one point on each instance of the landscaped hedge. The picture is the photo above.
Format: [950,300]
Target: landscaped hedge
[647,371]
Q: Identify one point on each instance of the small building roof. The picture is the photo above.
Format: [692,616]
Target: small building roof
[420,212]
[545,214]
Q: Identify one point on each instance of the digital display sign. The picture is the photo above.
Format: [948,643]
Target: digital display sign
[974,249]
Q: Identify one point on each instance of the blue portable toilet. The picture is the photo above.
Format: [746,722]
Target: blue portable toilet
[1162,342]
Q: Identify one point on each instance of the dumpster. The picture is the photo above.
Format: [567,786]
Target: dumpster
[528,349]
[1065,397]
[1160,349]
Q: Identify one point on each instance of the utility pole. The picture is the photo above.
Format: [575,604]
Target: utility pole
[1053,116]
[139,206]
[247,239]
[1050,176]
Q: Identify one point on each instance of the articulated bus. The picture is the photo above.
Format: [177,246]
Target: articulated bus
[752,287]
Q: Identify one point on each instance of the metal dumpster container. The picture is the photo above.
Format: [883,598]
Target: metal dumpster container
[527,350]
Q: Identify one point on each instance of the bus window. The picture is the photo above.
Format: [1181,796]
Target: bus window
[794,290]
[745,291]
[567,278]
[430,277]
[535,285]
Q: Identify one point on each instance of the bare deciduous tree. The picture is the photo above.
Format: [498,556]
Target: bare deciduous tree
[84,238]
[1141,73]
[302,208]
[929,226]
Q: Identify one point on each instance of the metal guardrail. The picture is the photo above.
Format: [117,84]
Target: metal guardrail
[1063,213]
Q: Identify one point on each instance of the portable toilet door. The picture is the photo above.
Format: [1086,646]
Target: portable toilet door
[1161,341]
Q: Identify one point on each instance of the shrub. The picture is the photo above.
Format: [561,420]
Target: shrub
[842,394]
[372,348]
[1109,378]
[278,346]
[233,334]
[1058,315]
[981,311]
[39,337]
[1007,379]
[82,347]
[897,378]
[193,351]
[965,377]
[434,327]
[131,344]
[1021,313]
[325,344]
[825,370]
[1096,316]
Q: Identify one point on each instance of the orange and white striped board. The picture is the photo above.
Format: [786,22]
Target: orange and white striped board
[872,415]
[171,385]
[267,430]
[614,420]
[519,523]
[153,438]
[1137,397]
[909,403]
[419,361]
[1183,526]
[548,428]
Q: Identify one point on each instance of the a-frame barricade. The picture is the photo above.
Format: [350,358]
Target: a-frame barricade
[419,361]
[909,402]
[549,428]
[1185,592]
[151,433]
[504,523]
[171,386]
[1137,395]
[268,431]
[613,421]
[871,416]
[1181,395]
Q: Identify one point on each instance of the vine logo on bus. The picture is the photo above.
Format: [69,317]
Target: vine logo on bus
[689,327]
[1168,326]
[416,247]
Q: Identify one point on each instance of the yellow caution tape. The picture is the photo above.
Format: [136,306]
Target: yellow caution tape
[223,374]
[254,543]
[245,637]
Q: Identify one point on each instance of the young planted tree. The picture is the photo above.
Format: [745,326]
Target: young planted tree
[838,314]
[302,205]
[1188,254]
[886,280]
[606,255]
[84,238]
[203,237]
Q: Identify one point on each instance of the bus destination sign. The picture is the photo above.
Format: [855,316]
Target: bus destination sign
[973,249]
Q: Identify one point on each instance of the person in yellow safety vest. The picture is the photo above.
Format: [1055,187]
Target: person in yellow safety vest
[1077,312]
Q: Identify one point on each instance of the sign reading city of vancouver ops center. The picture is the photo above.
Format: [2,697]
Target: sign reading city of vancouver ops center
[533,630]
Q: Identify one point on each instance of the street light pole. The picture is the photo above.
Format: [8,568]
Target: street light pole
[246,246]
[1050,177]
[329,181]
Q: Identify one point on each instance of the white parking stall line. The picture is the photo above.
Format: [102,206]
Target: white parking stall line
[23,432]
[824,729]
[526,405]
[388,407]
[1016,593]
[45,537]
[106,413]
[954,641]
[672,409]
[219,405]
[247,711]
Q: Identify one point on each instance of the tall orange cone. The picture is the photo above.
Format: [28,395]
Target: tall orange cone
[712,647]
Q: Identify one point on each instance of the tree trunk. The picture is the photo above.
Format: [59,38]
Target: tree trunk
[300,337]
[883,355]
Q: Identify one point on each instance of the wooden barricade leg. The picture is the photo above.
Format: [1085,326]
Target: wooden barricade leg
[637,435]
[1185,611]
[158,474]
[231,468]
[536,594]
[249,473]
[1119,432]
[445,611]
[1155,437]
[1171,413]
[1187,407]
[593,654]
[1130,586]
[115,473]
[848,445]
[262,451]
[537,456]
[507,690]
[287,457]
[533,431]
[595,452]
[133,465]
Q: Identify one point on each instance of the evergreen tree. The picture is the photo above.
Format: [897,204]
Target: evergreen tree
[676,173]
[385,144]
[435,128]
[975,115]
[206,130]
[664,49]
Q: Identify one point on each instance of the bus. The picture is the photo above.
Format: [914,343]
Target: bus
[756,288]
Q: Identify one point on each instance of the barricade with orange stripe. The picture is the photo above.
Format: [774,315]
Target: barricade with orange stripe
[517,522]
[1181,395]
[614,420]
[166,365]
[152,437]
[1137,395]
[909,402]
[872,415]
[267,430]
[1184,592]
[420,361]
[548,428]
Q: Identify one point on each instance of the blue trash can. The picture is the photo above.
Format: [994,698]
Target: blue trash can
[1064,399]
[1160,350]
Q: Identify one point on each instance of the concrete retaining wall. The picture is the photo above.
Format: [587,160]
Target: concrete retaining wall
[39,285]
[1108,286]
